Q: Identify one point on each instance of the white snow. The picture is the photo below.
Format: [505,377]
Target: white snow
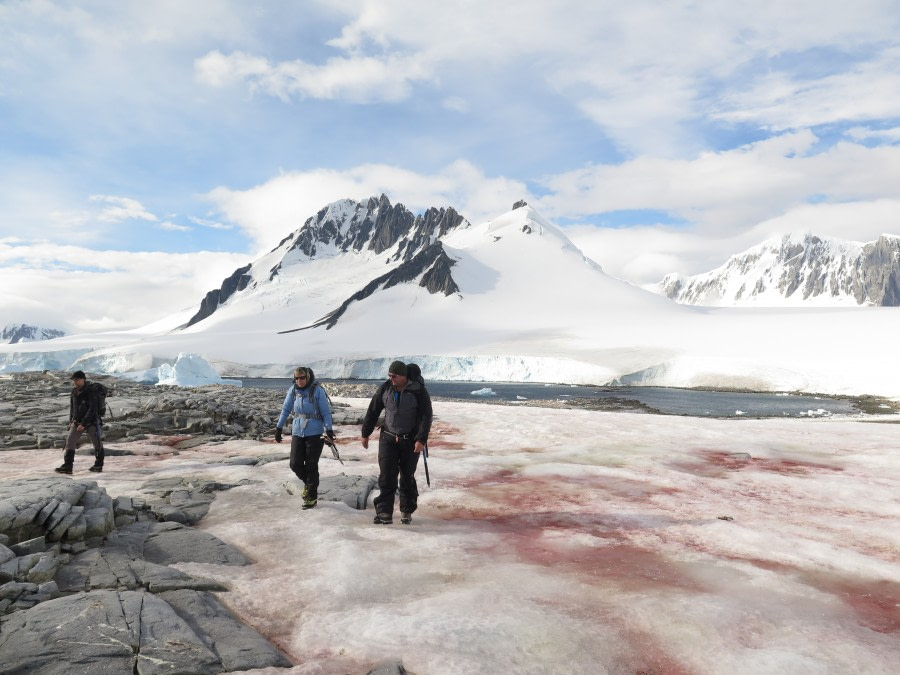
[568,541]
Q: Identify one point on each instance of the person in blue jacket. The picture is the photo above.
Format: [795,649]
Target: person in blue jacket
[309,403]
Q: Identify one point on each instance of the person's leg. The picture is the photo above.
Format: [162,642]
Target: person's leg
[408,490]
[298,465]
[312,454]
[71,444]
[95,433]
[389,468]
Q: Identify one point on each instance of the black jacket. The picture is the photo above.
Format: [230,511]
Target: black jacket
[83,405]
[407,413]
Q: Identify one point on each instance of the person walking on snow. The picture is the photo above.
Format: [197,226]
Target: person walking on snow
[84,415]
[404,434]
[312,417]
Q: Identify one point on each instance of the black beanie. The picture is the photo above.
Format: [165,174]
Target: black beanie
[397,368]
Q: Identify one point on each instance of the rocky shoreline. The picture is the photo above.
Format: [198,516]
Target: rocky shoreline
[34,410]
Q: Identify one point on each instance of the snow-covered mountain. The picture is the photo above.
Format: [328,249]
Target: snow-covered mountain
[509,299]
[348,245]
[798,270]
[16,333]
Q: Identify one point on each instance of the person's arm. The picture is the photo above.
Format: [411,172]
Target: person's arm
[286,408]
[376,405]
[426,414]
[325,411]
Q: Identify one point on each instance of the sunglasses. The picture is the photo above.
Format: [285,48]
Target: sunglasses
[300,377]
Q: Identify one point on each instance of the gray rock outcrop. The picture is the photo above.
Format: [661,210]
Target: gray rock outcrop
[86,582]
[122,631]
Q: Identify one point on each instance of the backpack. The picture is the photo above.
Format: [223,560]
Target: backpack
[414,373]
[101,391]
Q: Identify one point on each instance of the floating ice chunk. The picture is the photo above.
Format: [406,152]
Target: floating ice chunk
[816,413]
[487,391]
[190,370]
[739,412]
[522,398]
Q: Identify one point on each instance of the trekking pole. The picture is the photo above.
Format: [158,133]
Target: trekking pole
[425,459]
[334,450]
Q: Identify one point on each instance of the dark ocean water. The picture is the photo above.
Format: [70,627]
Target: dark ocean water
[662,399]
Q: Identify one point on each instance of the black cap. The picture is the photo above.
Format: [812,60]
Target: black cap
[397,368]
[79,375]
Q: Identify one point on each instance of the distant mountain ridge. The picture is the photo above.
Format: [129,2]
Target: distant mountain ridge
[797,270]
[15,333]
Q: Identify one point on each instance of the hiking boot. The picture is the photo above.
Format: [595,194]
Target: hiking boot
[97,468]
[63,469]
[405,518]
[305,492]
[384,519]
[309,503]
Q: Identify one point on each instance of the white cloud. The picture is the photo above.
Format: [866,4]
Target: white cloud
[121,208]
[173,227]
[723,192]
[891,135]
[358,79]
[211,224]
[82,290]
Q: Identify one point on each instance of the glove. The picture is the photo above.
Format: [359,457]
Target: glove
[330,434]
[277,434]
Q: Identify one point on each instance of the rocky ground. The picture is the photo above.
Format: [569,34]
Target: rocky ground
[86,578]
[34,410]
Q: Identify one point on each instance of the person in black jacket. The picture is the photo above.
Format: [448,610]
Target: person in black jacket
[404,433]
[84,415]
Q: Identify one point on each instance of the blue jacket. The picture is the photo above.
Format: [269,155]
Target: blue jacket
[311,416]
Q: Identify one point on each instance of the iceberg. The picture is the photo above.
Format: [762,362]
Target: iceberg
[190,370]
[487,391]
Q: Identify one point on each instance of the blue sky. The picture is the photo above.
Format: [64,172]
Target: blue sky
[137,138]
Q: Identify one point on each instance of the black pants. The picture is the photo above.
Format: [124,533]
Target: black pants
[94,432]
[396,459]
[305,453]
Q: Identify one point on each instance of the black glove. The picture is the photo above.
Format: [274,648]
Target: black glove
[330,434]
[277,434]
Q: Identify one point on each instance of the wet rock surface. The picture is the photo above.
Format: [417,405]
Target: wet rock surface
[86,583]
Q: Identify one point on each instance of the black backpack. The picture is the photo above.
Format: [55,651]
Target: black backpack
[414,373]
[101,391]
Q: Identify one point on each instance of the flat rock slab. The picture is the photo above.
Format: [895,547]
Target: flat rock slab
[168,543]
[351,490]
[110,631]
[112,568]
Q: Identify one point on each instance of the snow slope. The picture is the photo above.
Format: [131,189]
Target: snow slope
[568,541]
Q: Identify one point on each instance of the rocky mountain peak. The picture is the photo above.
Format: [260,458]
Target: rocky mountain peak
[14,333]
[347,227]
[798,269]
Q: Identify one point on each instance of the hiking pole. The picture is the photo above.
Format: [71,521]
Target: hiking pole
[425,459]
[334,450]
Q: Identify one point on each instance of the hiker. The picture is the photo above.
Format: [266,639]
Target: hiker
[84,415]
[404,434]
[309,403]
